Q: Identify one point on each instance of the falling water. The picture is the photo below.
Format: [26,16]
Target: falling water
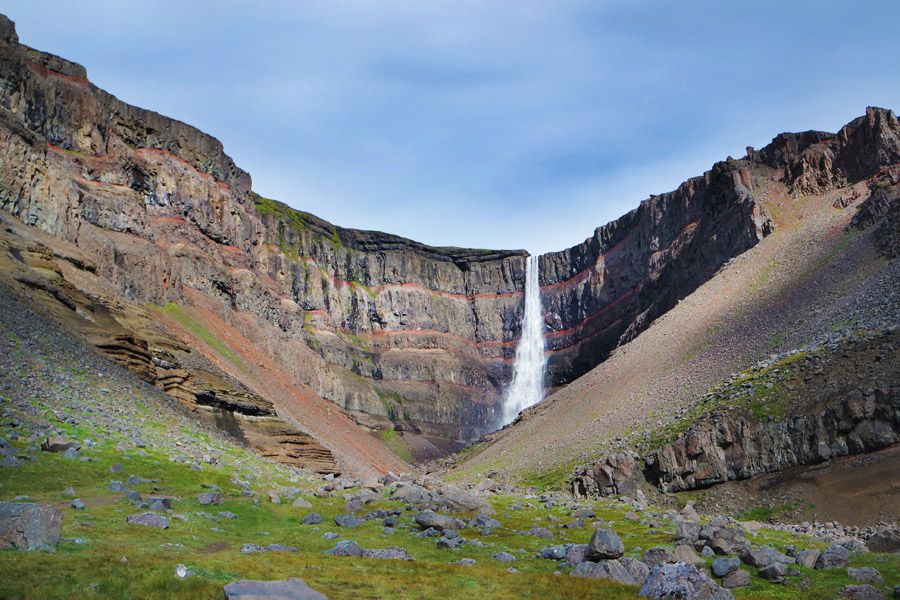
[527,387]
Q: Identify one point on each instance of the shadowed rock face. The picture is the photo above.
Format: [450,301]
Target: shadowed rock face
[420,336]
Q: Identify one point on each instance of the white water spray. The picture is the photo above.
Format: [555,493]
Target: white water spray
[527,387]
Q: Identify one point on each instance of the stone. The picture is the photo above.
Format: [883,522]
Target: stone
[253,548]
[707,552]
[503,557]
[540,532]
[867,575]
[392,553]
[605,569]
[774,571]
[312,519]
[59,444]
[345,548]
[553,552]
[225,514]
[657,556]
[728,540]
[723,566]
[29,526]
[449,543]
[834,557]
[77,504]
[736,579]
[681,581]
[285,589]
[583,513]
[181,571]
[861,592]
[638,569]
[346,521]
[761,557]
[465,562]
[209,498]
[604,544]
[686,554]
[117,487]
[687,531]
[429,519]
[887,540]
[807,558]
[148,519]
[301,502]
[576,553]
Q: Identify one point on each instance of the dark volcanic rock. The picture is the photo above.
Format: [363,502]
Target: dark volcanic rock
[28,526]
[604,544]
[681,581]
[428,519]
[605,569]
[149,519]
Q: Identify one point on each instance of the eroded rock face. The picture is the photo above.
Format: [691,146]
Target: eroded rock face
[417,335]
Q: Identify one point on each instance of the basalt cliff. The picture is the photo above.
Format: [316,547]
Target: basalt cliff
[399,334]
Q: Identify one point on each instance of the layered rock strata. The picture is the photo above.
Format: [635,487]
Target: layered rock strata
[417,336]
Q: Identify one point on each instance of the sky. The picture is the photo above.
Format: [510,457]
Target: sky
[487,124]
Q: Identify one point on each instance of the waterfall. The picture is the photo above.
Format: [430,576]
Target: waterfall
[527,387]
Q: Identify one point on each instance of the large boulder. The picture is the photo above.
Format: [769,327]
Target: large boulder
[430,519]
[285,589]
[723,566]
[835,556]
[605,544]
[605,569]
[683,582]
[887,540]
[29,526]
[861,592]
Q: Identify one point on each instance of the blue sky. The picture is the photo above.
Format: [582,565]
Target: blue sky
[519,124]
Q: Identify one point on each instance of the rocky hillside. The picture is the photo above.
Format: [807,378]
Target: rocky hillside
[405,336]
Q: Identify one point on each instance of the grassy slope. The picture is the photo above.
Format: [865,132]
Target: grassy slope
[210,544]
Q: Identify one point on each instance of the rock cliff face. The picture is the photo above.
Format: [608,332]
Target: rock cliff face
[838,401]
[416,337]
[606,290]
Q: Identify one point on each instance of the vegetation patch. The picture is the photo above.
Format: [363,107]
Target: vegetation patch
[177,313]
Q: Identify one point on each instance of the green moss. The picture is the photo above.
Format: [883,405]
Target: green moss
[178,314]
[396,444]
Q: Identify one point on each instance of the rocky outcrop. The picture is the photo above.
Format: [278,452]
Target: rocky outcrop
[376,323]
[881,209]
[726,447]
[29,526]
[605,291]
[807,408]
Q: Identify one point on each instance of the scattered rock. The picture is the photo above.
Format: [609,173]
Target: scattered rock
[723,566]
[736,579]
[182,571]
[657,556]
[345,548]
[148,519]
[682,581]
[430,519]
[834,557]
[503,557]
[346,521]
[207,498]
[807,558]
[861,592]
[392,553]
[301,503]
[77,504]
[604,544]
[605,569]
[312,519]
[773,572]
[29,526]
[286,589]
[887,540]
[867,575]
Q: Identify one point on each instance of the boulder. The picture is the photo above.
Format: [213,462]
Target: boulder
[736,579]
[861,592]
[345,548]
[148,519]
[728,540]
[834,557]
[686,554]
[605,569]
[867,575]
[576,553]
[503,557]
[887,540]
[774,571]
[346,521]
[605,544]
[657,556]
[681,581]
[638,569]
[540,532]
[59,444]
[29,526]
[209,498]
[392,553]
[312,519]
[762,557]
[285,589]
[723,566]
[807,558]
[301,503]
[430,519]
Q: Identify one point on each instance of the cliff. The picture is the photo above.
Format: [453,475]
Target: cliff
[404,335]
